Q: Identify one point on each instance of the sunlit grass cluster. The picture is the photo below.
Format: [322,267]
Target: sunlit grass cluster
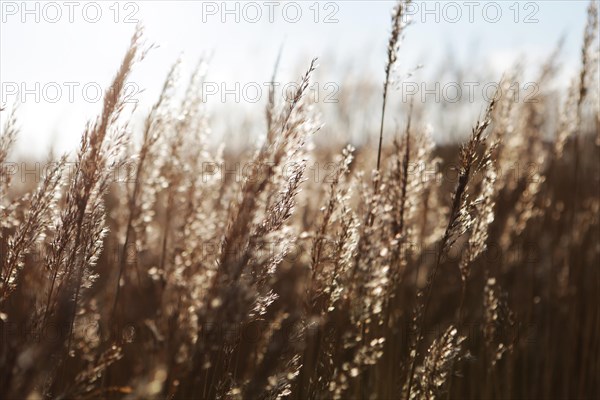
[379,280]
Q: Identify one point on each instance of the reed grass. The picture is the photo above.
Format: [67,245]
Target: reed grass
[392,283]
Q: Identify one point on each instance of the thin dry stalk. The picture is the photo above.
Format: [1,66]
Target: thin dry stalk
[399,23]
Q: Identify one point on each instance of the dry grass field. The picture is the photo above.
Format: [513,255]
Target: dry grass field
[407,270]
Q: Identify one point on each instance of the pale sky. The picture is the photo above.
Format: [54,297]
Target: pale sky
[83,52]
